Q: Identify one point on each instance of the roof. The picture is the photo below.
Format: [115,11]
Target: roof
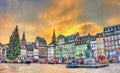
[71,37]
[41,40]
[29,47]
[5,46]
[99,35]
[34,45]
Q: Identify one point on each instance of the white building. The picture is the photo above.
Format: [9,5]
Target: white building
[100,44]
[23,55]
[94,46]
[51,48]
[29,51]
[35,51]
[3,49]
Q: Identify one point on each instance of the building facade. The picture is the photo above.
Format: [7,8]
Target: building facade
[51,47]
[3,49]
[70,45]
[29,51]
[81,47]
[23,55]
[35,51]
[59,49]
[93,44]
[112,41]
[100,44]
[42,47]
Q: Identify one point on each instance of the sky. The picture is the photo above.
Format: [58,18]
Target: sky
[41,17]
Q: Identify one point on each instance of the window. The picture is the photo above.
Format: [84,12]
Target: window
[115,37]
[109,43]
[116,42]
[112,38]
[110,47]
[113,47]
[106,47]
[112,42]
[116,46]
[119,41]
[111,29]
[119,36]
[106,43]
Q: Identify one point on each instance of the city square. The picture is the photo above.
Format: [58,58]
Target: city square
[55,68]
[59,36]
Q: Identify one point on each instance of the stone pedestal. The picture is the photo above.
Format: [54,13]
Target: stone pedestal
[90,61]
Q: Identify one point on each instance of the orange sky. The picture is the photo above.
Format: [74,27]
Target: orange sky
[41,17]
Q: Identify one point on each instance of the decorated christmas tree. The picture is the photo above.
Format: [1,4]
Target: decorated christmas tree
[14,47]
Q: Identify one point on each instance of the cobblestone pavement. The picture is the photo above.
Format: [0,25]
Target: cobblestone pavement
[47,68]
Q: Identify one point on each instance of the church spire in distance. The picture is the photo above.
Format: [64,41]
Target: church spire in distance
[54,37]
[23,41]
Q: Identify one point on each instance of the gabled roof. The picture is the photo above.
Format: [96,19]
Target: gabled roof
[29,47]
[34,45]
[41,40]
[99,35]
[71,37]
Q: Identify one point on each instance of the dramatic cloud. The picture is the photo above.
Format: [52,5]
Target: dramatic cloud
[112,2]
[41,17]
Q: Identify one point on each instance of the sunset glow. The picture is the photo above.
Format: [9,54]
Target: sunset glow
[41,17]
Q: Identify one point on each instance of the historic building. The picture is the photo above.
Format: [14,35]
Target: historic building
[51,47]
[42,47]
[0,50]
[35,51]
[81,47]
[70,45]
[3,49]
[100,44]
[93,44]
[23,55]
[112,41]
[60,46]
[29,51]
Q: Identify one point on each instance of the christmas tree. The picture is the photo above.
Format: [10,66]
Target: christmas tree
[14,47]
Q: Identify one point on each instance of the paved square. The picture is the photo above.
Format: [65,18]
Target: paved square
[56,68]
